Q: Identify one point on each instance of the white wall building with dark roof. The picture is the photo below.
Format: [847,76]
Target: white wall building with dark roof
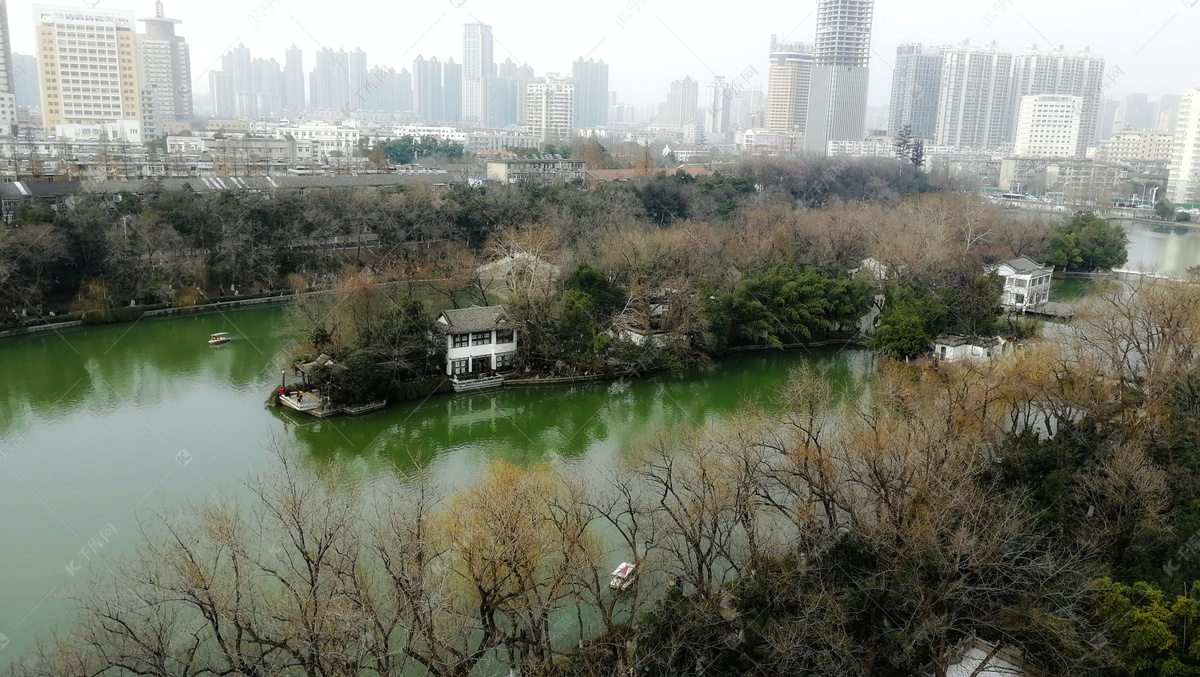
[479,341]
[1026,283]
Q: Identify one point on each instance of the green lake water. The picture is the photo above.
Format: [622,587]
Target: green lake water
[101,426]
[1162,249]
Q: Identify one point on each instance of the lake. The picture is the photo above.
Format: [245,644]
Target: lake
[101,426]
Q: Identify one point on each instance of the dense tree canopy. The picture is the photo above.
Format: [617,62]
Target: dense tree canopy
[406,150]
[1088,243]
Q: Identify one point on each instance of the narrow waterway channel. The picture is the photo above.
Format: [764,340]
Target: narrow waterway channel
[100,426]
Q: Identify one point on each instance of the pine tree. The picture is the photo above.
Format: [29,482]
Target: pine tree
[917,153]
[903,143]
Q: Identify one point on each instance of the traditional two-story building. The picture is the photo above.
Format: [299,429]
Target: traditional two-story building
[1026,283]
[481,344]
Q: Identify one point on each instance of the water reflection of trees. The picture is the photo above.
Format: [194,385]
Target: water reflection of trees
[534,425]
[52,374]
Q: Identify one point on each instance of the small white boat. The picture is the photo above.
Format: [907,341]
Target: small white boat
[219,338]
[623,577]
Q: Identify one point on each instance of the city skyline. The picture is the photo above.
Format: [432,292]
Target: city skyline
[673,44]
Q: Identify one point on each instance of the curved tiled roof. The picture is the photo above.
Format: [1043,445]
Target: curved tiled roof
[475,318]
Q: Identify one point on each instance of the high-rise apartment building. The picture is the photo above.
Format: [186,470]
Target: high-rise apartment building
[166,63]
[747,108]
[916,87]
[519,76]
[551,108]
[837,107]
[1108,119]
[358,79]
[1168,112]
[591,92]
[88,62]
[1184,184]
[789,84]
[973,101]
[1049,126]
[8,78]
[717,104]
[404,91]
[238,64]
[428,96]
[500,101]
[387,90]
[452,87]
[1135,111]
[330,80]
[682,102]
[220,85]
[1062,73]
[268,81]
[25,80]
[294,99]
[477,64]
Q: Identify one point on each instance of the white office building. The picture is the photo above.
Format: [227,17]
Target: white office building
[973,100]
[328,141]
[837,108]
[1065,73]
[550,108]
[1184,186]
[1048,126]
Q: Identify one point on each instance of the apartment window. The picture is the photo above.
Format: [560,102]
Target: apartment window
[462,340]
[505,336]
[459,367]
[481,338]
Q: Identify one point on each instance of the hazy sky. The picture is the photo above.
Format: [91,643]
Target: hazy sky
[648,43]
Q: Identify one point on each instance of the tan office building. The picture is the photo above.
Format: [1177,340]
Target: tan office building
[88,65]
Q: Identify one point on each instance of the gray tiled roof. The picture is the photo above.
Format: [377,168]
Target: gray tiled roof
[10,189]
[1023,265]
[475,318]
